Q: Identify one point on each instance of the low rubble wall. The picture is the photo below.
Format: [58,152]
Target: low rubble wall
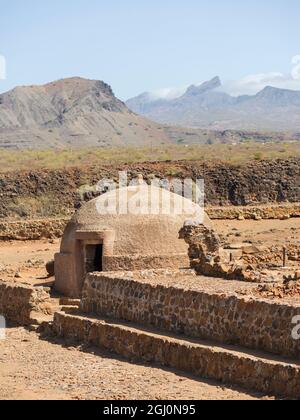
[32,229]
[17,302]
[54,228]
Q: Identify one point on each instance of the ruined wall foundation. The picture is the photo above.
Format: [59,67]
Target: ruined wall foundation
[223,317]
[206,361]
[51,228]
[18,302]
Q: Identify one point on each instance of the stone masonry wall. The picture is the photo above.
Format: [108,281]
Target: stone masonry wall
[32,194]
[283,211]
[17,302]
[54,228]
[32,229]
[227,318]
[188,356]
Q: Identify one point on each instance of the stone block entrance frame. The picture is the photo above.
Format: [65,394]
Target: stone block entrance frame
[91,251]
[93,247]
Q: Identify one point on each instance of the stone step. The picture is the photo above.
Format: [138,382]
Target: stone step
[68,308]
[38,318]
[228,364]
[65,301]
[196,306]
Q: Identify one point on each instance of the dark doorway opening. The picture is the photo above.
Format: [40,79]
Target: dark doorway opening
[93,258]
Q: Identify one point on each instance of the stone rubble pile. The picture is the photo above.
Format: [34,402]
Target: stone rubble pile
[209,258]
[290,289]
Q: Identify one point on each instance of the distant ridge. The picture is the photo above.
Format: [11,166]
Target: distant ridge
[81,113]
[208,107]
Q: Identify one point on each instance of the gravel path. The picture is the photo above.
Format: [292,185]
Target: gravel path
[31,368]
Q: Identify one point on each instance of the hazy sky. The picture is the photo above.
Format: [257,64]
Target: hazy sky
[139,45]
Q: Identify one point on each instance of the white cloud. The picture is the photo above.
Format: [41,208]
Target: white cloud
[296,68]
[168,93]
[249,85]
[252,84]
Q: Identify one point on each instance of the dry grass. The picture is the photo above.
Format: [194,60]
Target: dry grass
[234,154]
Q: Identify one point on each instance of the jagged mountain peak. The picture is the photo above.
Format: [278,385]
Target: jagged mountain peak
[212,84]
[270,91]
[208,107]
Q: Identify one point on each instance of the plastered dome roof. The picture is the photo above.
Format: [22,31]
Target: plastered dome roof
[138,227]
[144,229]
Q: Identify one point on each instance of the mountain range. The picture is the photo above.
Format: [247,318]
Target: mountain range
[72,112]
[208,107]
[77,112]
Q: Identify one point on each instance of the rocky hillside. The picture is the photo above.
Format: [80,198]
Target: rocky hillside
[80,113]
[55,193]
[71,112]
[207,106]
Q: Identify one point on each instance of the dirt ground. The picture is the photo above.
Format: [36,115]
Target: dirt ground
[263,232]
[31,368]
[26,260]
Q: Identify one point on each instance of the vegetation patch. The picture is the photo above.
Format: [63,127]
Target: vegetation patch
[239,154]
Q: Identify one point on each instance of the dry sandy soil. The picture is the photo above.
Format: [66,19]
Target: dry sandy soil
[28,258]
[263,232]
[31,368]
[34,369]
